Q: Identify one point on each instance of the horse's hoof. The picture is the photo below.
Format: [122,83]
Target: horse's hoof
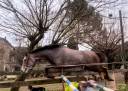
[52,77]
[110,79]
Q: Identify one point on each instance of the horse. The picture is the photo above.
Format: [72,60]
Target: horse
[58,54]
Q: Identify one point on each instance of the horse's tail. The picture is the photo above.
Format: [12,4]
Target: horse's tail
[103,58]
[106,75]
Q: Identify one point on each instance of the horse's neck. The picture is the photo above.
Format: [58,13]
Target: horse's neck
[49,54]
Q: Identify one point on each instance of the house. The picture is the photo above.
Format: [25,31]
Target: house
[5,50]
[16,57]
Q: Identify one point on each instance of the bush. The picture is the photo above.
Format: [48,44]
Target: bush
[122,87]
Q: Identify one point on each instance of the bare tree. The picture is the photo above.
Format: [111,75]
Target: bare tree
[106,42]
[102,5]
[32,19]
[87,21]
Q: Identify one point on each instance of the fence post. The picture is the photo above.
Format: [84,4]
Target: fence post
[111,84]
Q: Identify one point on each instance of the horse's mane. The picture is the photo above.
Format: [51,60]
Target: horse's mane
[52,46]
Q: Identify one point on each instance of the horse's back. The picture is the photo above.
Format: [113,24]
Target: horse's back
[70,56]
[78,57]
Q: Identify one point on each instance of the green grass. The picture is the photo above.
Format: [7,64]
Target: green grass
[122,87]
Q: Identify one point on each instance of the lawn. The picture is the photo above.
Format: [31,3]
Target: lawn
[122,87]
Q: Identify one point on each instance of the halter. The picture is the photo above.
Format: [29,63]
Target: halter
[27,66]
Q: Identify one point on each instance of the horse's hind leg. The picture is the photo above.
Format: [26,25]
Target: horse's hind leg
[47,73]
[106,75]
[101,75]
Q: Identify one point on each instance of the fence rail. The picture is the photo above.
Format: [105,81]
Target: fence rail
[19,72]
[38,82]
[51,81]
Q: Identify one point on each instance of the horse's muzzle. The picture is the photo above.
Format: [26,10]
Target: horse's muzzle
[26,69]
[22,69]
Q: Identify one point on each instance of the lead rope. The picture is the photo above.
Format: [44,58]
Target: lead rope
[69,83]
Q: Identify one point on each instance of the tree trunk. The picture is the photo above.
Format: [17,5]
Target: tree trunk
[126,77]
[34,42]
[72,43]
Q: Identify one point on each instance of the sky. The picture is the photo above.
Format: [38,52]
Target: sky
[123,7]
[111,9]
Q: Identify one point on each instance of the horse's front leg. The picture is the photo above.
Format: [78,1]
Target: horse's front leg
[47,74]
[101,75]
[106,75]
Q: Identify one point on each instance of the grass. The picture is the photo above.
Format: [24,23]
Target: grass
[123,87]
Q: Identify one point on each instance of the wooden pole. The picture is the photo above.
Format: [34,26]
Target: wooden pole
[122,47]
[122,38]
[111,84]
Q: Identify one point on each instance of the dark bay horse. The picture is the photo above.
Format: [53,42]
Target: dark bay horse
[61,55]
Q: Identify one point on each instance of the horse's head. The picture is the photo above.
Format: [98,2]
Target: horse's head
[28,63]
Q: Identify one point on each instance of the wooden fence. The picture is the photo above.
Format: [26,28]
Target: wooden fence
[49,81]
[37,82]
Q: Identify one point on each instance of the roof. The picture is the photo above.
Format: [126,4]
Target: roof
[5,41]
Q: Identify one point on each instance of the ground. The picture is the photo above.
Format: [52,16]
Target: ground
[49,87]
